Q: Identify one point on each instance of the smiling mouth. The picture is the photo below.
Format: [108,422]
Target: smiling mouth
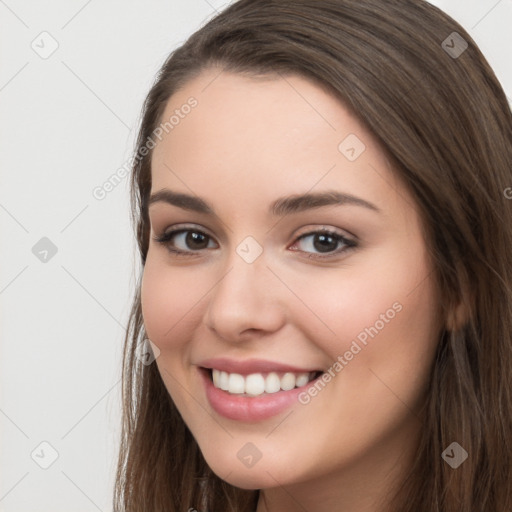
[258,384]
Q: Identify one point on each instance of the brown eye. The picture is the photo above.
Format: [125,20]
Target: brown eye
[184,241]
[327,243]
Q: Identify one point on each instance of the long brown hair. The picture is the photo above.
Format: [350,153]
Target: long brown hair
[440,112]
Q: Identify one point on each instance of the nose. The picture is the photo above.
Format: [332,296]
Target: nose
[247,301]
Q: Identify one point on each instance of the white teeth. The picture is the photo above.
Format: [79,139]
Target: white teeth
[216,378]
[288,381]
[302,380]
[236,383]
[256,384]
[272,383]
[223,381]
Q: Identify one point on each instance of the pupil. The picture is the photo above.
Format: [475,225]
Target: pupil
[195,238]
[321,247]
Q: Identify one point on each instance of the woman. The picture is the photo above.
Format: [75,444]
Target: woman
[320,200]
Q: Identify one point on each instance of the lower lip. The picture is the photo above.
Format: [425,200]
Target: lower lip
[249,409]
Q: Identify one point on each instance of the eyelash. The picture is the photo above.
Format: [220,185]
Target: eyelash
[166,238]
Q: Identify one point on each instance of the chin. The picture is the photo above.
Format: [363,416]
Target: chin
[249,484]
[249,479]
[260,476]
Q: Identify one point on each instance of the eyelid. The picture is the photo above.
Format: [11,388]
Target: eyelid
[304,231]
[186,226]
[325,227]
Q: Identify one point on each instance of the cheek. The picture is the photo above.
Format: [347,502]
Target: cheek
[382,312]
[167,300]
[168,297]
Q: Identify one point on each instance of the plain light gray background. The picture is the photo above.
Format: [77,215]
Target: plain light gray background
[68,122]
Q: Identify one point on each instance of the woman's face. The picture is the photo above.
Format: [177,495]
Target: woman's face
[274,287]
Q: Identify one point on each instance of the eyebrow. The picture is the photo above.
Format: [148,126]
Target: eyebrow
[280,207]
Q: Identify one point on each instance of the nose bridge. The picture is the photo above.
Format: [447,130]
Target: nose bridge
[246,296]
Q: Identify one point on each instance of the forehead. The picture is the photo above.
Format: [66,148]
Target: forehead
[232,107]
[274,134]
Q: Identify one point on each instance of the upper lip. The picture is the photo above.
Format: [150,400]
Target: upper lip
[248,366]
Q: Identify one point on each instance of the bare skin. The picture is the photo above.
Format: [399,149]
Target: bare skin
[246,143]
